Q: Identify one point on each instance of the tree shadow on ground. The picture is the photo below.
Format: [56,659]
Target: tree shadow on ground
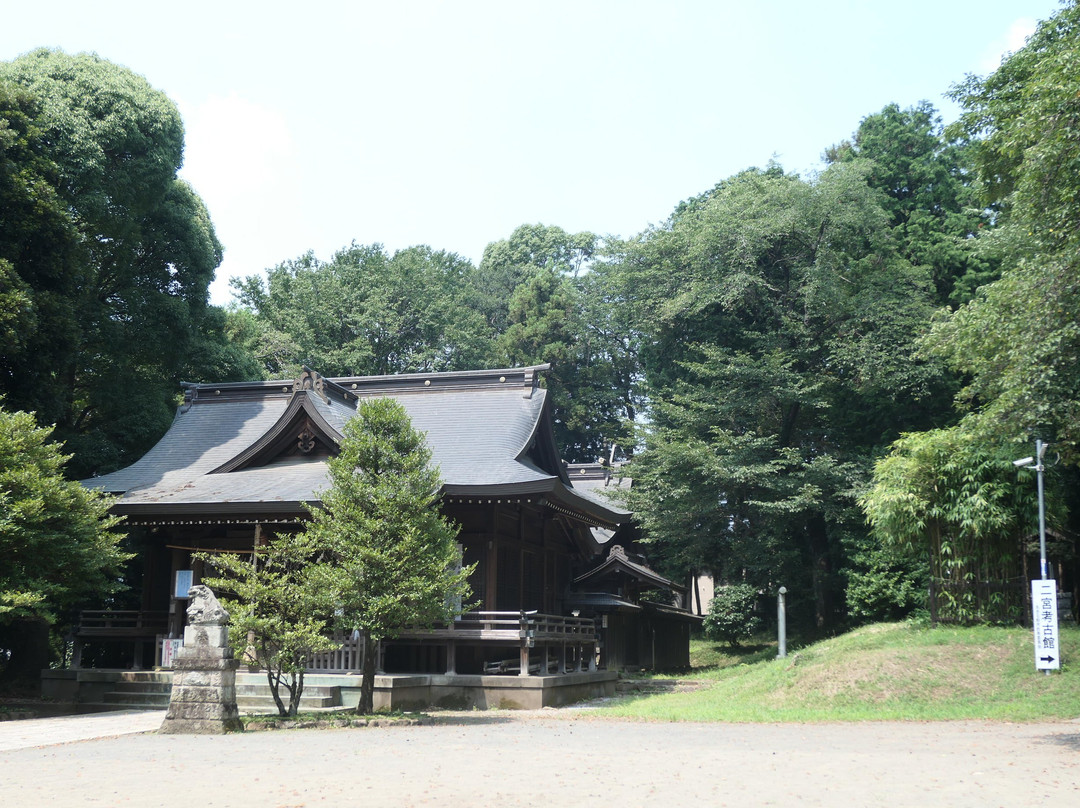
[1068,740]
[474,718]
[721,655]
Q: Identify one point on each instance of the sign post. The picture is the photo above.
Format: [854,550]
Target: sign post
[1044,618]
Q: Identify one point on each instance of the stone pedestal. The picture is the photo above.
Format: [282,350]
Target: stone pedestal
[203,697]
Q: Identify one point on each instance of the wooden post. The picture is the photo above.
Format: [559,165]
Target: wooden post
[524,658]
[562,657]
[451,658]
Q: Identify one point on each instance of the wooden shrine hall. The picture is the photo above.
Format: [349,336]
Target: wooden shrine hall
[242,459]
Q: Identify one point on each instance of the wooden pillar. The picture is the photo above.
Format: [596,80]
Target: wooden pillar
[524,658]
[592,658]
[451,658]
[491,575]
[562,657]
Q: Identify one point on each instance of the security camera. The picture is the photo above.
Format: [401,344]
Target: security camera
[1023,461]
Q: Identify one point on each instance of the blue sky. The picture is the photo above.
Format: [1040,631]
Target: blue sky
[314,124]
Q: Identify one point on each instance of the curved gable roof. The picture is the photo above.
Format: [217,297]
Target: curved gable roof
[489,432]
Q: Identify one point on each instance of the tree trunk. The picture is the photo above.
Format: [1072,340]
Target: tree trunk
[296,692]
[366,705]
[273,679]
[818,540]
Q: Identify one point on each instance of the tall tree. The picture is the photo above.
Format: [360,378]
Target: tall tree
[118,294]
[549,301]
[390,559]
[778,320]
[366,312]
[508,263]
[1018,341]
[116,255]
[930,197]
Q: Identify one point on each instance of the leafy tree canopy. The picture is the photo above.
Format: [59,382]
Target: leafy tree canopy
[366,312]
[929,195]
[56,538]
[1018,341]
[108,253]
[779,323]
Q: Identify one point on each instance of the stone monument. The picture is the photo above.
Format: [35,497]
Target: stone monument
[203,697]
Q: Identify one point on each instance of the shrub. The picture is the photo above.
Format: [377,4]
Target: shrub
[731,614]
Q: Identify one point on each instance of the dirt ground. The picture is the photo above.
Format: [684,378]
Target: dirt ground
[561,758]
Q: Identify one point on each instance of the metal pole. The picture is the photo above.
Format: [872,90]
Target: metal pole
[1040,449]
[781,623]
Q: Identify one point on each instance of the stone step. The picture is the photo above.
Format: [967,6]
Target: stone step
[144,687]
[266,701]
[264,690]
[150,701]
[145,677]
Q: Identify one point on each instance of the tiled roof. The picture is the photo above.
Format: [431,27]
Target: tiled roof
[489,433]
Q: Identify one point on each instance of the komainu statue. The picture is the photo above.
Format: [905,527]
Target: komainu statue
[204,609]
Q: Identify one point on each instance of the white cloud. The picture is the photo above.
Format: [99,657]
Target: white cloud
[1012,41]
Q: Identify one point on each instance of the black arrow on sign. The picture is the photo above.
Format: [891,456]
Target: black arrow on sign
[1047,659]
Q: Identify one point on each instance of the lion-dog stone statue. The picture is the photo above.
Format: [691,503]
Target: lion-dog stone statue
[203,697]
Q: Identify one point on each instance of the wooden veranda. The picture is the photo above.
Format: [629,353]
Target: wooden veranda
[542,641]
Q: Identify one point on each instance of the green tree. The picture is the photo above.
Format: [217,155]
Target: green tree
[508,263]
[57,540]
[953,502]
[778,324]
[114,252]
[278,612]
[549,300]
[1018,341]
[391,559]
[39,268]
[366,312]
[929,195]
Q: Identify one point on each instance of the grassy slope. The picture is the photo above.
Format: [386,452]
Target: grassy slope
[880,672]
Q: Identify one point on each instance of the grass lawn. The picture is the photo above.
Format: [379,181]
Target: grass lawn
[886,671]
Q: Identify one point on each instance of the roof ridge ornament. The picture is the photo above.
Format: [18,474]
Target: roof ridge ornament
[311,380]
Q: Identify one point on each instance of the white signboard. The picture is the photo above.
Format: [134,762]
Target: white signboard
[183,583]
[1045,620]
[169,650]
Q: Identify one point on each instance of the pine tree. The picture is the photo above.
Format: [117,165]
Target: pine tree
[391,560]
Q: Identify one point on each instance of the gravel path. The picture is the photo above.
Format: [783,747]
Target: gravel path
[560,758]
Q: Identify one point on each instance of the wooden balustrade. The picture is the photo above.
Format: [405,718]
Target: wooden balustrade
[120,624]
[349,656]
[524,630]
